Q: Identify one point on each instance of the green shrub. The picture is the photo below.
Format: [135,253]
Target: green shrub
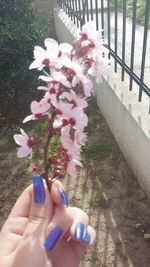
[21,28]
[140,16]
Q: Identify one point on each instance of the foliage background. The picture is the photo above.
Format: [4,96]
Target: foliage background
[21,28]
[140,9]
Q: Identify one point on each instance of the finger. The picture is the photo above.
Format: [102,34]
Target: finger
[41,210]
[58,194]
[80,246]
[62,221]
[89,237]
[79,227]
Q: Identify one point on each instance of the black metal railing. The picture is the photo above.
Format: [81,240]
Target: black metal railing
[125,39]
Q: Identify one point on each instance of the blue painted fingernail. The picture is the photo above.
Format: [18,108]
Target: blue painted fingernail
[63,197]
[87,238]
[79,231]
[53,238]
[38,189]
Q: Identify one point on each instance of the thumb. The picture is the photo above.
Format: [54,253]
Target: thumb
[41,210]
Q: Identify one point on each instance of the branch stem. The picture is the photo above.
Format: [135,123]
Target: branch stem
[46,163]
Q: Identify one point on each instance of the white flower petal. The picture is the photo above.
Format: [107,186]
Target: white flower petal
[35,107]
[42,88]
[77,162]
[35,64]
[24,134]
[19,139]
[29,118]
[57,123]
[39,52]
[46,78]
[66,83]
[66,61]
[23,152]
[65,48]
[67,95]
[49,43]
[74,81]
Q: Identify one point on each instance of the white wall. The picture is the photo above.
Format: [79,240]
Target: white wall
[128,119]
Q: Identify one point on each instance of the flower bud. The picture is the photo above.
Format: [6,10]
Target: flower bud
[59,174]
[72,121]
[38,116]
[65,122]
[58,111]
[83,35]
[46,62]
[31,143]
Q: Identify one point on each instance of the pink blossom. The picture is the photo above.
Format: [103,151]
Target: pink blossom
[87,85]
[52,88]
[38,109]
[74,99]
[66,49]
[80,137]
[78,119]
[98,68]
[72,142]
[72,148]
[62,107]
[56,76]
[58,54]
[54,56]
[63,112]
[55,48]
[69,143]
[26,144]
[40,55]
[67,115]
[75,71]
[72,163]
[93,36]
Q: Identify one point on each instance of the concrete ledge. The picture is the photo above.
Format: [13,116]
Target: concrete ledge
[128,119]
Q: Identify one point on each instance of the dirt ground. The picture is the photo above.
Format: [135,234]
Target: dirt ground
[118,208]
[105,188]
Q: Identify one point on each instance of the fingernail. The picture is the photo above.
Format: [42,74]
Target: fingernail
[79,231]
[53,238]
[38,189]
[63,197]
[87,238]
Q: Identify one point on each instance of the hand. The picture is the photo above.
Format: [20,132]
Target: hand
[41,232]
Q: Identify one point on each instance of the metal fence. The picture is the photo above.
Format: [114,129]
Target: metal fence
[128,41]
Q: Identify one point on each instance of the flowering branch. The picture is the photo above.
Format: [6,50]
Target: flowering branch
[67,71]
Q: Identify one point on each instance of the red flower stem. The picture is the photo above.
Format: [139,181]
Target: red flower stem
[46,163]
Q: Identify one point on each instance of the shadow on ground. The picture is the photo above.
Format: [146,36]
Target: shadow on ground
[118,208]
